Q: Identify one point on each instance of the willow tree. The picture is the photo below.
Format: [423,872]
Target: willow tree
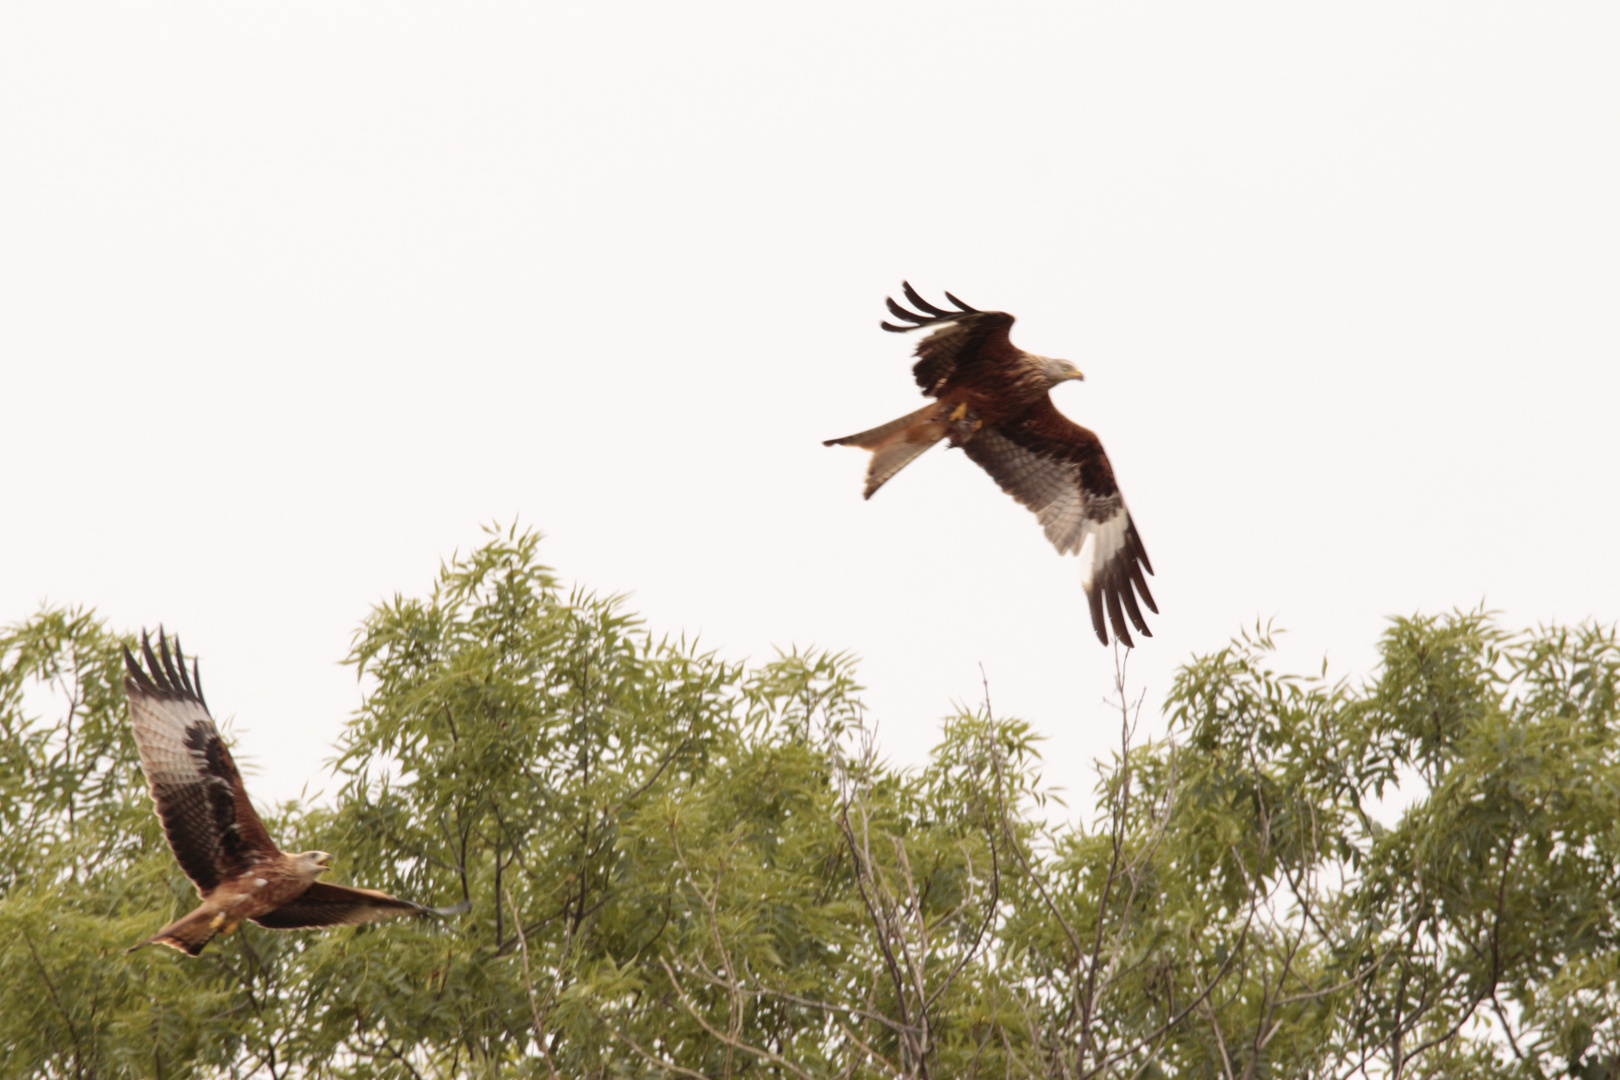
[682,866]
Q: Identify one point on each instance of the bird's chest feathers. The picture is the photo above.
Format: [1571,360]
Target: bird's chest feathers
[262,888]
[998,396]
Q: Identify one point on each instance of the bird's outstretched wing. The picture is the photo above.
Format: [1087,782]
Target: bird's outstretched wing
[1058,469]
[206,814]
[962,339]
[324,904]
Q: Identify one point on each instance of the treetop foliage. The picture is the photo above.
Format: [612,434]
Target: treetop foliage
[683,866]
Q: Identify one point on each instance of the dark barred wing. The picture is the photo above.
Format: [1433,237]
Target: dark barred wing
[961,340]
[1058,469]
[206,814]
[342,905]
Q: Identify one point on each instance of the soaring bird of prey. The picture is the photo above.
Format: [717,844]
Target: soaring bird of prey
[218,839]
[992,399]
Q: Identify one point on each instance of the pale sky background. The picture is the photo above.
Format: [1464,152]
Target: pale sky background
[295,297]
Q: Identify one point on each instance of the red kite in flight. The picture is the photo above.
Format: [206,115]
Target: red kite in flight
[218,839]
[993,400]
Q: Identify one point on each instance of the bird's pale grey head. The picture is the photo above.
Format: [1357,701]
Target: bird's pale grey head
[317,862]
[1056,371]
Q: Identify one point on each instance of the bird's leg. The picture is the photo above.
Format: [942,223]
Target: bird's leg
[962,424]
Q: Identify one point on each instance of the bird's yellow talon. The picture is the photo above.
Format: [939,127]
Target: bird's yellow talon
[960,411]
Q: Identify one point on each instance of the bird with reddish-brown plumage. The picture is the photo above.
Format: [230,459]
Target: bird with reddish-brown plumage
[993,400]
[211,825]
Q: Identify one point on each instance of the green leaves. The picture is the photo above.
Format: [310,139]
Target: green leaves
[681,866]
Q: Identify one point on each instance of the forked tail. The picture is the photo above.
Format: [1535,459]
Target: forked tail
[896,444]
[188,934]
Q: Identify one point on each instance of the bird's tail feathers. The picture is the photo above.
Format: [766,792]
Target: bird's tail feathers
[188,934]
[898,443]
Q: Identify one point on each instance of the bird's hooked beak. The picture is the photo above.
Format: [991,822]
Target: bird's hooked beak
[1072,372]
[323,860]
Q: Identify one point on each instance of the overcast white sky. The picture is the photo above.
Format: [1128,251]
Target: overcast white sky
[294,297]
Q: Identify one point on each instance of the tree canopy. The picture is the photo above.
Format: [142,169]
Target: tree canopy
[683,866]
